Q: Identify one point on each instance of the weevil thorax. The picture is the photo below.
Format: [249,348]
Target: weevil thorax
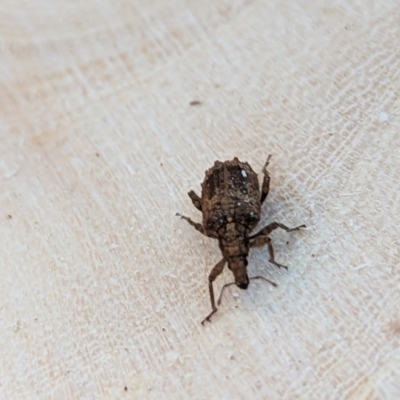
[233,240]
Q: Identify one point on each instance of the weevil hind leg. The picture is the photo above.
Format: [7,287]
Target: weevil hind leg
[217,270]
[196,200]
[196,225]
[266,181]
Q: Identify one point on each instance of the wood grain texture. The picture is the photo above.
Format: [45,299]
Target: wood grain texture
[102,287]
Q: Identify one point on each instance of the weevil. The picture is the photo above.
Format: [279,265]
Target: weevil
[230,202]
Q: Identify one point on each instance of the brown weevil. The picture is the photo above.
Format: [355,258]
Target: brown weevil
[230,202]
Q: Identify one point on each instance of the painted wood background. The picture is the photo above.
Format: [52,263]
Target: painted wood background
[102,288]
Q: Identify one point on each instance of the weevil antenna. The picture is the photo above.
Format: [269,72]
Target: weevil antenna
[232,283]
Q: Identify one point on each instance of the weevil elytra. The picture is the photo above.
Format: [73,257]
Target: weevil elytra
[230,202]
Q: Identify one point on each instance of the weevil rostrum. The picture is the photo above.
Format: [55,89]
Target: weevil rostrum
[230,202]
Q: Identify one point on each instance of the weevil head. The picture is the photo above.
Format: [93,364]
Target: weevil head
[238,267]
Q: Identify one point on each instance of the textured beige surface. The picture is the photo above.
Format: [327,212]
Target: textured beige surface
[102,287]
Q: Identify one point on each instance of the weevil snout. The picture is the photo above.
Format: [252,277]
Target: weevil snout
[238,267]
[242,284]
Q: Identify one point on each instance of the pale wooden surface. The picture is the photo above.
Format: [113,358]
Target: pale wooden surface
[102,287]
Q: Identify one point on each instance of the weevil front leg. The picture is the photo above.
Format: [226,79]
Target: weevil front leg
[234,283]
[266,180]
[217,270]
[196,200]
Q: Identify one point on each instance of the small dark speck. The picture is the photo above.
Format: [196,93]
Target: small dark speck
[330,134]
[163,329]
[161,164]
[287,242]
[312,255]
[195,103]
[9,216]
[35,319]
[126,388]
[97,155]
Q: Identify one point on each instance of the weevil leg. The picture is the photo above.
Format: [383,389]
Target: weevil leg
[261,241]
[266,180]
[274,225]
[233,283]
[217,270]
[222,291]
[260,238]
[264,279]
[196,200]
[196,225]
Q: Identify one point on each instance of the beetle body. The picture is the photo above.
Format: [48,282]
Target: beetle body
[231,209]
[230,202]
